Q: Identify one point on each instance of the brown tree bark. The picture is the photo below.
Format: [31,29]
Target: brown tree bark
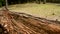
[22,23]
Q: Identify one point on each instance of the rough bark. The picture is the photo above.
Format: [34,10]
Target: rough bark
[22,23]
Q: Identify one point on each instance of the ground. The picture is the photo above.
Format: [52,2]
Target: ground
[48,10]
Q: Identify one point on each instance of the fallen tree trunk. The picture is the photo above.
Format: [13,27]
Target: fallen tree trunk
[21,23]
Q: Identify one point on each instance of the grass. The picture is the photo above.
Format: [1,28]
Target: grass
[41,10]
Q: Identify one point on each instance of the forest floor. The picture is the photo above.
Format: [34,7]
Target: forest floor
[49,10]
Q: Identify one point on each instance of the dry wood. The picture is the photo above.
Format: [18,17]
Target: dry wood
[21,23]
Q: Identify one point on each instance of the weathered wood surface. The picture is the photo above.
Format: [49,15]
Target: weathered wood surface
[21,23]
